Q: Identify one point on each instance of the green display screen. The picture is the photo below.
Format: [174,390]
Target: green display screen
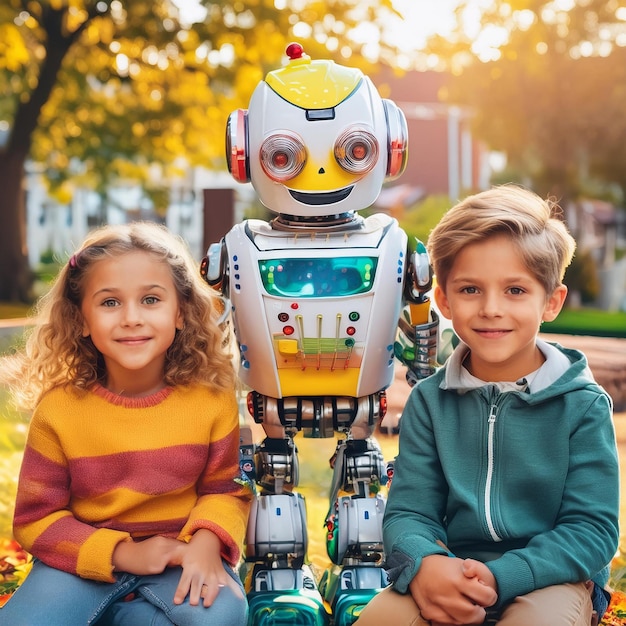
[318,278]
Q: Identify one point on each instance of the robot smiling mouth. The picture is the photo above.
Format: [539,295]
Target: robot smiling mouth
[325,197]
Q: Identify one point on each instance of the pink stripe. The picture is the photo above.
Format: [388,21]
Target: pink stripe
[59,544]
[223,465]
[43,488]
[168,528]
[150,472]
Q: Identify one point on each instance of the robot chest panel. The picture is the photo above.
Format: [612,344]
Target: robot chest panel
[319,332]
[312,308]
[316,320]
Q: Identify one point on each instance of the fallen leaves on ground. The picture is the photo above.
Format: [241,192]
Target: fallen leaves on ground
[15,563]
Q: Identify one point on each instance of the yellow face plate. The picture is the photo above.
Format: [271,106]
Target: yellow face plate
[314,84]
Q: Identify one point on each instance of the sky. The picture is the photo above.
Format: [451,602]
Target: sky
[424,18]
[421,18]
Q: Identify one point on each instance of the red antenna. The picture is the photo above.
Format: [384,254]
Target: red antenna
[295,51]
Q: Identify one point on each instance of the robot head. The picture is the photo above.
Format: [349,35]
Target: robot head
[317,139]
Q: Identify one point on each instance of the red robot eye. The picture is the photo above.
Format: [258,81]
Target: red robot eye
[283,156]
[280,160]
[356,150]
[359,151]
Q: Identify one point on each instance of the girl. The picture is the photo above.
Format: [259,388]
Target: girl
[129,495]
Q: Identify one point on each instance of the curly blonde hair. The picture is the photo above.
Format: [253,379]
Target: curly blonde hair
[55,352]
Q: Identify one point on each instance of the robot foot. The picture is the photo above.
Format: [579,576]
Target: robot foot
[348,589]
[284,596]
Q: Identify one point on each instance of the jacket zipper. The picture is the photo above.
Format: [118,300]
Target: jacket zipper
[493,411]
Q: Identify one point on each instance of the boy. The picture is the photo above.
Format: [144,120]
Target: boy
[504,503]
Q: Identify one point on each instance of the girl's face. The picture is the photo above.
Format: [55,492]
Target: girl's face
[496,306]
[131,311]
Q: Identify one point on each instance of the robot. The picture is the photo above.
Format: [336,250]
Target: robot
[323,302]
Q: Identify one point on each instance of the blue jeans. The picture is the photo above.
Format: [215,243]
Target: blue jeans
[51,597]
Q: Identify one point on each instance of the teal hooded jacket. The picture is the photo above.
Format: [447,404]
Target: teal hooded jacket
[522,476]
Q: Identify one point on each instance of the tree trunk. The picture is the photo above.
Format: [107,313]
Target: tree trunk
[16,278]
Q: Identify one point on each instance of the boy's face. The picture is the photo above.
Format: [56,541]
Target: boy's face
[496,307]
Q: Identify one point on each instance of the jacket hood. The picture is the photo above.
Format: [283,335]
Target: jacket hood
[558,361]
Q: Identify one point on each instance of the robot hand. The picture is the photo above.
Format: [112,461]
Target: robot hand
[417,346]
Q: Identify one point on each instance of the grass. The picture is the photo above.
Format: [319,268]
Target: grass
[13,427]
[588,322]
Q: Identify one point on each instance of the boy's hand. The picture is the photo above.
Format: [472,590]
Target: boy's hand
[478,570]
[452,591]
[203,571]
[147,557]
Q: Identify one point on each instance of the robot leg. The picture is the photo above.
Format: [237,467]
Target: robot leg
[276,465]
[354,538]
[279,583]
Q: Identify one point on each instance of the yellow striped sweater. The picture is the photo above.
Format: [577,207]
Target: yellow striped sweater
[99,468]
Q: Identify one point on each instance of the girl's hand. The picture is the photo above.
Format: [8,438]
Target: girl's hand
[203,571]
[147,557]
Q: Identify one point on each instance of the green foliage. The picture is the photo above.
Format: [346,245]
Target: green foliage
[48,266]
[419,220]
[582,276]
[46,273]
[531,92]
[47,256]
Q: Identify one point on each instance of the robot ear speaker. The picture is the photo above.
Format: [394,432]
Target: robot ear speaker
[237,153]
[397,139]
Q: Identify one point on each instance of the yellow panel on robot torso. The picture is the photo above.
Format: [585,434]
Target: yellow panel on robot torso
[319,340]
[343,382]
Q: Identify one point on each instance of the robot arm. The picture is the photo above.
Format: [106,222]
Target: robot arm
[214,267]
[419,280]
[418,327]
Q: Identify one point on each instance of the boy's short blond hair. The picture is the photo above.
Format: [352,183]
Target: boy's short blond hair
[532,224]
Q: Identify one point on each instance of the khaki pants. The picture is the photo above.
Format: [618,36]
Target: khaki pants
[560,605]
